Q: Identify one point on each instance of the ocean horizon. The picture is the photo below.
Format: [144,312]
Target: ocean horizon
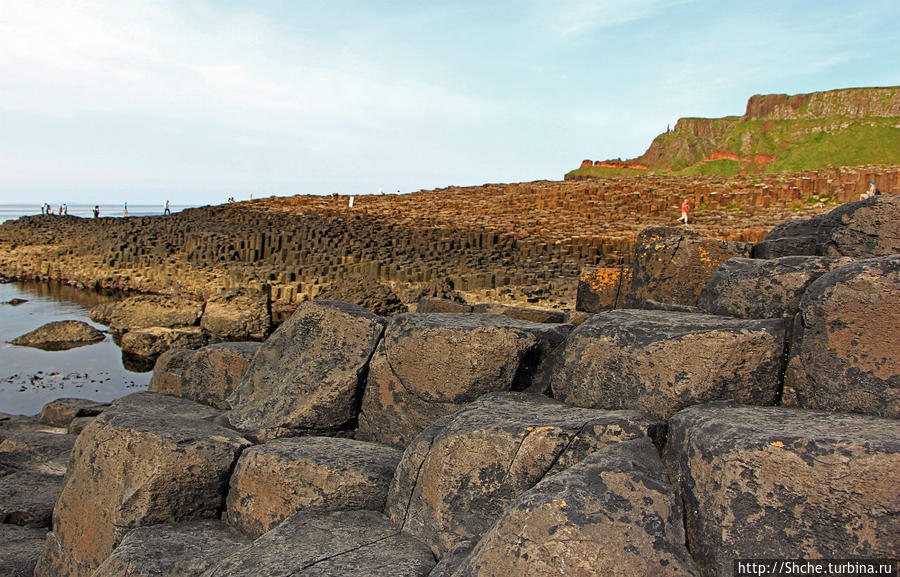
[14,211]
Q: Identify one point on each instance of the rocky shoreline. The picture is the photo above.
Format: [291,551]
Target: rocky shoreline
[740,408]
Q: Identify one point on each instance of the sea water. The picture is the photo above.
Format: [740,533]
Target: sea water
[14,211]
[30,378]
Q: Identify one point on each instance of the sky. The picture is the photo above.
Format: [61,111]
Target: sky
[200,100]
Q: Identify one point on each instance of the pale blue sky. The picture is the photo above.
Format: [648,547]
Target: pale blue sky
[195,101]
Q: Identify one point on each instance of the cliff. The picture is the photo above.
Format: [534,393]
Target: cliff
[779,132]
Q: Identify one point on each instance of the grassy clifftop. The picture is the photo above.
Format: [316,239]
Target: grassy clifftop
[777,133]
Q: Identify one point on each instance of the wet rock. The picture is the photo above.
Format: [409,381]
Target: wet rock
[176,550]
[459,475]
[862,229]
[19,550]
[350,543]
[779,483]
[365,292]
[147,459]
[60,336]
[672,265]
[208,375]
[275,480]
[614,513]
[763,289]
[429,365]
[145,311]
[844,355]
[522,313]
[46,452]
[60,412]
[154,341]
[14,302]
[237,315]
[27,497]
[310,373]
[661,362]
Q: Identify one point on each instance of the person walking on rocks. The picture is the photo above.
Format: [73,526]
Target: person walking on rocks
[166,209]
[870,192]
[96,211]
[125,210]
[684,211]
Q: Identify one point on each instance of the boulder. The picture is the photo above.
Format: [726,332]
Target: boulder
[313,544]
[19,550]
[154,341]
[429,365]
[844,355]
[14,302]
[149,458]
[145,311]
[46,452]
[27,497]
[602,289]
[60,412]
[522,313]
[208,375]
[175,550]
[779,483]
[790,238]
[12,424]
[438,305]
[310,373]
[60,336]
[661,362]
[78,424]
[365,292]
[614,513]
[861,229]
[275,480]
[168,371]
[672,265]
[459,475]
[237,315]
[763,289]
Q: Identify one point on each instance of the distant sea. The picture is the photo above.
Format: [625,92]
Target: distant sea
[14,211]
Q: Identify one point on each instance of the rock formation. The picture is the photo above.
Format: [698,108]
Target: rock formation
[60,335]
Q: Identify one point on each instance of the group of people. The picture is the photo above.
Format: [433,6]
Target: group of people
[48,210]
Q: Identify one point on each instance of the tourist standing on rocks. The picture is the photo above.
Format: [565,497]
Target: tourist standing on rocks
[96,211]
[166,209]
[684,211]
[125,210]
[870,192]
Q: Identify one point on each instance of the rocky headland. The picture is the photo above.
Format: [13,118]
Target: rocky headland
[746,405]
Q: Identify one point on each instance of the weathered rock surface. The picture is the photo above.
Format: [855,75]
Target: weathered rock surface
[672,265]
[614,513]
[778,483]
[439,305]
[861,229]
[19,550]
[790,238]
[603,289]
[237,315]
[60,412]
[12,424]
[521,313]
[78,424]
[661,362]
[352,544]
[208,375]
[45,452]
[310,373]
[429,365]
[154,341]
[60,336]
[275,480]
[177,550]
[459,475]
[27,497]
[763,289]
[145,311]
[148,459]
[845,354]
[365,292]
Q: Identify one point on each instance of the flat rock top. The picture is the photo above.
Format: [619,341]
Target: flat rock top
[60,335]
[659,325]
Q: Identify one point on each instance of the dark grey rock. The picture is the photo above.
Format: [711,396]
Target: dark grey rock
[19,550]
[27,497]
[60,412]
[60,336]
